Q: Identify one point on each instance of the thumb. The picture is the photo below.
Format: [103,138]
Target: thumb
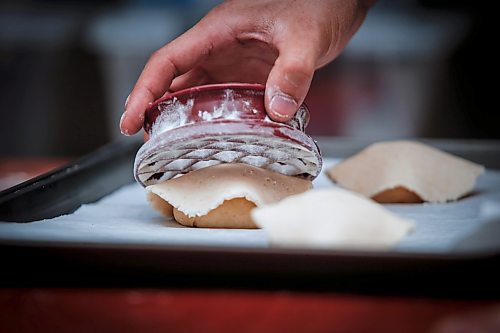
[289,81]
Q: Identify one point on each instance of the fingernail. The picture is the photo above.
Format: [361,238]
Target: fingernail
[123,130]
[283,106]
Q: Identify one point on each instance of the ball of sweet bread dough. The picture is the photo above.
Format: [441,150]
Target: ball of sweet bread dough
[222,196]
[398,194]
[234,213]
[159,204]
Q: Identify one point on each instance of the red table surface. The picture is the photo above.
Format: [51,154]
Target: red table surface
[130,310]
[192,310]
[16,170]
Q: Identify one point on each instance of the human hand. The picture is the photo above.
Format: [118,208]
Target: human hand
[279,43]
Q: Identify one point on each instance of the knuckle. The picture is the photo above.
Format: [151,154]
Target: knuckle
[157,54]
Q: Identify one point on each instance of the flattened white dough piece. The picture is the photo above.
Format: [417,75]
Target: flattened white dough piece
[202,191]
[410,168]
[330,218]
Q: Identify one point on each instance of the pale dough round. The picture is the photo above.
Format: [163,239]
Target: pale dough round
[331,218]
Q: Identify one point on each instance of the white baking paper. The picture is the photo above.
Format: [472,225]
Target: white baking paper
[125,217]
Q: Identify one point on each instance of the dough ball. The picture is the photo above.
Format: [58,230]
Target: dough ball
[406,172]
[221,196]
[397,195]
[330,218]
[234,213]
[159,204]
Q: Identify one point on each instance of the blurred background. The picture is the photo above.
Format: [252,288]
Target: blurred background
[415,69]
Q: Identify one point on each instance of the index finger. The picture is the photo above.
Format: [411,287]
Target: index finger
[174,59]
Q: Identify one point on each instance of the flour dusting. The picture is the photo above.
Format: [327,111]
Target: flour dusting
[173,114]
[228,109]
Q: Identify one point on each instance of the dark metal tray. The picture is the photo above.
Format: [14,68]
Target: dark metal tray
[62,191]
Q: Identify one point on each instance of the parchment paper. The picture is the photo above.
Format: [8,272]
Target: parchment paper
[125,217]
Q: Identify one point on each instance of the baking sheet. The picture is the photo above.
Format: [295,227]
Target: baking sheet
[124,217]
